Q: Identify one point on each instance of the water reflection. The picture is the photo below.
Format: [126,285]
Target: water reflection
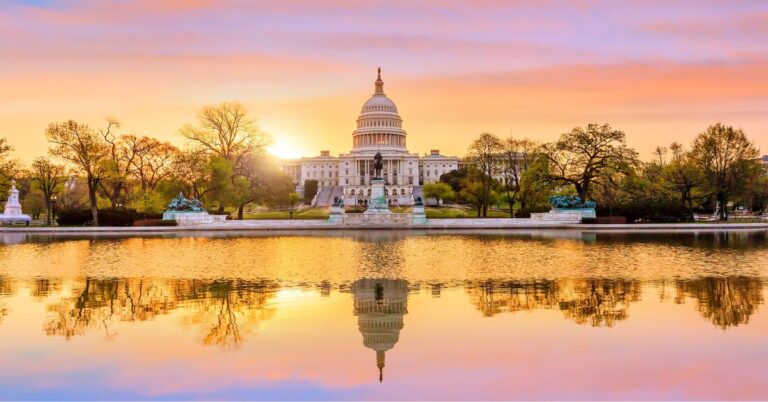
[227,310]
[5,289]
[725,302]
[380,305]
[596,302]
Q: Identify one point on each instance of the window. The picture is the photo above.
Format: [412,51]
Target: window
[402,192]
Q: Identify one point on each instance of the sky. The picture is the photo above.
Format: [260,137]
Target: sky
[661,71]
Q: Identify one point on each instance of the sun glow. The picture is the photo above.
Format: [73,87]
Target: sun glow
[284,150]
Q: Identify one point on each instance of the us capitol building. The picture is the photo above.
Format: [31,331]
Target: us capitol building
[379,129]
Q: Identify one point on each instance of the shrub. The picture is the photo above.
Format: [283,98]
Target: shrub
[611,220]
[117,217]
[661,211]
[107,217]
[74,217]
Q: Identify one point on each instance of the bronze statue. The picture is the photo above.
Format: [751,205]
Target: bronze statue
[378,165]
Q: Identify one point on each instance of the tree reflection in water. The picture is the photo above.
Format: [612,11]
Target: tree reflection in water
[96,303]
[5,290]
[603,302]
[227,309]
[723,301]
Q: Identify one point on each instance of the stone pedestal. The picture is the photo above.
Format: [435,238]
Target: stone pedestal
[337,215]
[378,203]
[583,212]
[419,216]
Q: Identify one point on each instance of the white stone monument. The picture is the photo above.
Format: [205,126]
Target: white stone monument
[12,212]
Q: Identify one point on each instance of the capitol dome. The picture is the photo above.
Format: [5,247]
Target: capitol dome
[379,126]
[379,103]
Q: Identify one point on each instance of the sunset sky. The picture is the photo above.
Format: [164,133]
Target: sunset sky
[659,70]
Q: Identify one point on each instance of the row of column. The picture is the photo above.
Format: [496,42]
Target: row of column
[362,140]
[364,170]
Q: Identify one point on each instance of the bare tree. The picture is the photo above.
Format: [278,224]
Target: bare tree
[85,148]
[484,152]
[152,162]
[226,131]
[48,176]
[121,159]
[581,155]
[192,171]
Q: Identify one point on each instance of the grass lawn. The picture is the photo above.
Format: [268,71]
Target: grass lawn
[309,213]
[458,212]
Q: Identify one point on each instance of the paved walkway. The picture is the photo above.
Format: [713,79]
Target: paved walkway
[433,224]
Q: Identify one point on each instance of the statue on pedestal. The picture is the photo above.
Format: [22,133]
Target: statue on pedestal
[12,211]
[378,165]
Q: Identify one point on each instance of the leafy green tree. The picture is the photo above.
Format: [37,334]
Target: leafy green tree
[34,203]
[683,176]
[484,154]
[438,191]
[726,156]
[9,168]
[310,190]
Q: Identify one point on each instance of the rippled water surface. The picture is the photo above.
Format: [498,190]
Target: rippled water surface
[385,315]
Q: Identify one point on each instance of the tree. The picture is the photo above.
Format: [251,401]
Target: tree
[85,148]
[9,168]
[516,156]
[120,163]
[683,176]
[34,203]
[310,190]
[484,152]
[581,155]
[48,176]
[191,170]
[438,191]
[226,131]
[292,202]
[725,155]
[263,183]
[152,161]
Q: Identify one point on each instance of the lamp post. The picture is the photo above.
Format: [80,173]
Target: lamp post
[52,212]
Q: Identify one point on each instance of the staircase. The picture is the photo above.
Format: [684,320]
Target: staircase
[418,191]
[327,194]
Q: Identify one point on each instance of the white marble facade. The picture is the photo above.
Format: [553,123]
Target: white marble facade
[379,128]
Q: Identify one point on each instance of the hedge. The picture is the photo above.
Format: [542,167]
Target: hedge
[107,217]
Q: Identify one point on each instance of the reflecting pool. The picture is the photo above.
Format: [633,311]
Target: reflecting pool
[385,315]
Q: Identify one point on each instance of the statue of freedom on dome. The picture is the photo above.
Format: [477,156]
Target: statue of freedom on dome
[378,165]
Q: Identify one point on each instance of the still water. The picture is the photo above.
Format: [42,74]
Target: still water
[385,315]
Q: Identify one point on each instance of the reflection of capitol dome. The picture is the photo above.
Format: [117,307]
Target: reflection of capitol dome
[379,126]
[380,305]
